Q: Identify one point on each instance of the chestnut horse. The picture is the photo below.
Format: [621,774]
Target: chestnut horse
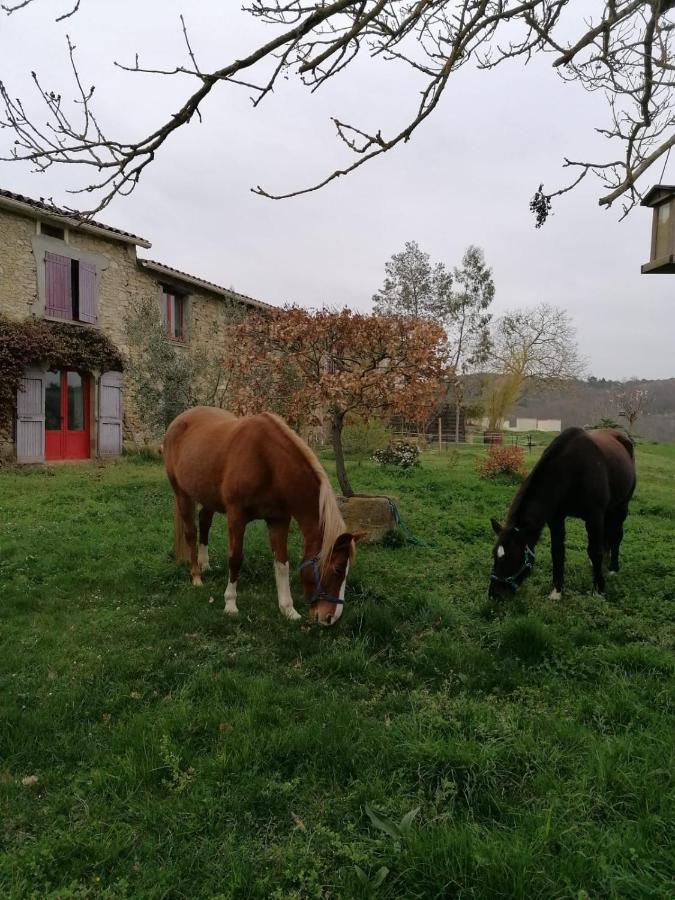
[256,467]
[588,475]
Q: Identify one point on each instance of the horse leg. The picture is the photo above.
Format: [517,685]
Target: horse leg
[595,531]
[557,529]
[278,532]
[186,508]
[236,525]
[614,533]
[205,520]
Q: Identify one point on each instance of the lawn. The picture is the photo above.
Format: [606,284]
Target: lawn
[152,747]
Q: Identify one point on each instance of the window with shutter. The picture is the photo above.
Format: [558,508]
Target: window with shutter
[87,296]
[70,286]
[173,314]
[58,286]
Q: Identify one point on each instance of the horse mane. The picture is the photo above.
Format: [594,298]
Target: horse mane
[330,517]
[550,452]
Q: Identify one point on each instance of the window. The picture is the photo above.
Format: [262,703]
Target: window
[53,231]
[173,314]
[70,288]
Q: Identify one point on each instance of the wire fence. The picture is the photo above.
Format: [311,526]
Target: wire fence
[445,442]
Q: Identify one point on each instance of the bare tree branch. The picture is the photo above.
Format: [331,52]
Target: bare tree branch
[624,51]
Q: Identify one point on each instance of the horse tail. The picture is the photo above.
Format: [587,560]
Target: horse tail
[181,548]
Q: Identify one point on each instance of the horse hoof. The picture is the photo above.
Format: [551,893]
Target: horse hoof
[292,615]
[555,595]
[197,581]
[613,572]
[229,611]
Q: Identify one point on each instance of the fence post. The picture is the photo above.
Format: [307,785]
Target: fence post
[440,435]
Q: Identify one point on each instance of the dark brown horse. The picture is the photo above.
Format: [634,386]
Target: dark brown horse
[256,467]
[588,475]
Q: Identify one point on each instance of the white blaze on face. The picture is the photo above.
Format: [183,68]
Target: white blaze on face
[500,552]
[340,606]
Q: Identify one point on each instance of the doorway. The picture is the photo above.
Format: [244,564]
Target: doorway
[66,414]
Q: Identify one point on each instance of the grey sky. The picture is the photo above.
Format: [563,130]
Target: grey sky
[466,177]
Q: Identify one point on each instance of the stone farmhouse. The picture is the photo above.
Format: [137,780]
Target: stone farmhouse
[61,267]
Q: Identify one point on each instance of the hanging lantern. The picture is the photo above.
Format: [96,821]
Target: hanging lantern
[661,198]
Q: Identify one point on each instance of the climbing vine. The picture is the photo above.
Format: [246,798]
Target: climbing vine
[54,344]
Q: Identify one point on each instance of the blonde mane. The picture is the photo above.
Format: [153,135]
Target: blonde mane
[330,517]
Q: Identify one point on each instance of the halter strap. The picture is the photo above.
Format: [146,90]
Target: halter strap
[511,581]
[319,594]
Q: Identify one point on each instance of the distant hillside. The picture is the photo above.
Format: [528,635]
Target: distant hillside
[586,402]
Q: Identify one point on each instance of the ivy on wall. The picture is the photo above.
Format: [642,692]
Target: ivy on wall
[56,345]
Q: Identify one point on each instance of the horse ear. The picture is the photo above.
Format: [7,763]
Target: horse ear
[496,527]
[344,540]
[358,536]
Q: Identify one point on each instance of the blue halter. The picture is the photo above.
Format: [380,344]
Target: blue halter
[511,581]
[319,594]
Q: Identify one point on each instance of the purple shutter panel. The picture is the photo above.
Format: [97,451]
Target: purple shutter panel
[87,293]
[30,418]
[57,284]
[110,414]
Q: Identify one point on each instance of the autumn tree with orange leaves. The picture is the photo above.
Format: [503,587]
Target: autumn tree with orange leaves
[318,367]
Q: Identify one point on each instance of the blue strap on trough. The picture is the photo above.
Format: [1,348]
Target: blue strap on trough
[318,593]
[399,523]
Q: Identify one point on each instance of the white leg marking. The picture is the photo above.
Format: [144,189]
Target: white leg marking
[203,557]
[197,581]
[555,595]
[284,591]
[612,572]
[231,599]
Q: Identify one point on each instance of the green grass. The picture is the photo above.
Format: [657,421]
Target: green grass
[179,753]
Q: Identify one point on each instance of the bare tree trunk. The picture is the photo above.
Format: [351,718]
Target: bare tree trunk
[336,439]
[459,397]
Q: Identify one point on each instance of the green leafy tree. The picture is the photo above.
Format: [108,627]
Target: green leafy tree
[166,379]
[413,286]
[467,319]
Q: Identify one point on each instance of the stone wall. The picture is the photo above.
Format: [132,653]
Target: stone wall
[18,277]
[122,284]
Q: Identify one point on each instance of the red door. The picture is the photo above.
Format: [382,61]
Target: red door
[66,415]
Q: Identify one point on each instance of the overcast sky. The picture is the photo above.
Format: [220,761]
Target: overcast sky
[466,177]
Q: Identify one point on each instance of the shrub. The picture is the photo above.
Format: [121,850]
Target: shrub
[52,344]
[501,461]
[399,453]
[361,438]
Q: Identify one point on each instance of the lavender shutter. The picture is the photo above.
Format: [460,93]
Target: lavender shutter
[58,288]
[87,293]
[30,418]
[110,414]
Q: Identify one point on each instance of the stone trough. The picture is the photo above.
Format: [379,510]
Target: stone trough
[373,514]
